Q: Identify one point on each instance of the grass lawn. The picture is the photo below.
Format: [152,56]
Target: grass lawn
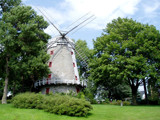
[99,112]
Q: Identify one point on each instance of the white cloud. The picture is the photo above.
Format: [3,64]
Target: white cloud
[151,7]
[102,7]
[104,10]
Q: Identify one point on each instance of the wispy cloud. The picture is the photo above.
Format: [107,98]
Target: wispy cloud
[151,6]
[104,10]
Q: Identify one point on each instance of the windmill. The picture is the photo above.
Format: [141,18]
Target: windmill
[64,75]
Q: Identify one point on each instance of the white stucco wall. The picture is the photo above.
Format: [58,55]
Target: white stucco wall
[59,88]
[62,61]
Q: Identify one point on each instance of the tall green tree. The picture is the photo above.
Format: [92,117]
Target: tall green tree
[22,41]
[5,6]
[127,52]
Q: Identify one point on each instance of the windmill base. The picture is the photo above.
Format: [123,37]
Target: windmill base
[60,89]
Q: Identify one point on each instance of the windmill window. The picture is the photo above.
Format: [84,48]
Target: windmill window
[50,64]
[76,77]
[71,53]
[47,90]
[51,52]
[49,76]
[73,64]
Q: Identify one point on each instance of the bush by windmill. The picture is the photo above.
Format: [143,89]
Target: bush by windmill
[64,76]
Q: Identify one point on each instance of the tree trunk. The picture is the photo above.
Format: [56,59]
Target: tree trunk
[22,88]
[145,91]
[5,91]
[32,85]
[13,89]
[151,90]
[134,95]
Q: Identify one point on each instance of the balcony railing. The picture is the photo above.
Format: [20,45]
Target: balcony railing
[54,81]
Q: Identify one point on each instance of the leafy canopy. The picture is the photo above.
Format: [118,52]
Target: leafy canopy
[23,41]
[127,52]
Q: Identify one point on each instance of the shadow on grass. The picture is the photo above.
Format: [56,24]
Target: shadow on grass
[84,117]
[88,115]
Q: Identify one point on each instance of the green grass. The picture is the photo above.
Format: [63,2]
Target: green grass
[99,112]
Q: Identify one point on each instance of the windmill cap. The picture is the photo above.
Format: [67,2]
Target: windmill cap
[58,38]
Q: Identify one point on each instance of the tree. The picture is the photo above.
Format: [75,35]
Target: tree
[127,52]
[5,6]
[22,42]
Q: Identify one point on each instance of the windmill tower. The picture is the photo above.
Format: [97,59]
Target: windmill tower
[64,75]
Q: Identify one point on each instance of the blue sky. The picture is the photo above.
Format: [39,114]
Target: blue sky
[64,12]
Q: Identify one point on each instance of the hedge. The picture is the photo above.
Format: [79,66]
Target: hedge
[58,104]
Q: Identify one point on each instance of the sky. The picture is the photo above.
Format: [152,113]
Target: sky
[62,13]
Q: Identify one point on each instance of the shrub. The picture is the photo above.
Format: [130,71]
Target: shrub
[58,104]
[28,100]
[64,104]
[80,95]
[153,99]
[126,103]
[118,102]
[93,101]
[107,101]
[114,102]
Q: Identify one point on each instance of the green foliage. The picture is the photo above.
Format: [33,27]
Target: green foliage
[116,102]
[127,52]
[126,103]
[154,98]
[66,105]
[58,104]
[120,102]
[113,102]
[6,5]
[93,101]
[89,96]
[84,53]
[81,95]
[81,45]
[23,43]
[107,101]
[28,100]
[121,91]
[90,92]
